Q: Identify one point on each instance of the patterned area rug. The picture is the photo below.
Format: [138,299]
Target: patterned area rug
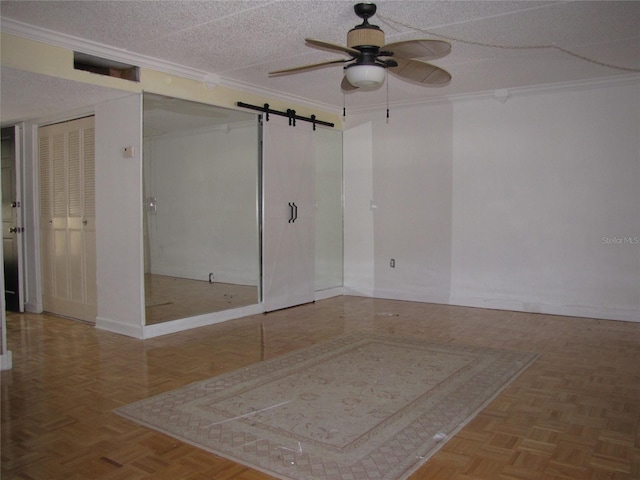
[356,407]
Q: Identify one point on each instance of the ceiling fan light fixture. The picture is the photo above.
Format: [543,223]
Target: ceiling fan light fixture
[365,75]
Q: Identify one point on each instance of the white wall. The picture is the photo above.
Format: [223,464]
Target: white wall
[31,197]
[408,203]
[540,180]
[6,359]
[119,216]
[358,213]
[412,191]
[329,209]
[205,184]
[518,205]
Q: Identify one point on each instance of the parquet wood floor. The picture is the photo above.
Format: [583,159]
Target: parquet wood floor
[574,414]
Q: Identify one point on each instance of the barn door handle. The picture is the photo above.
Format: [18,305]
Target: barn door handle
[293,212]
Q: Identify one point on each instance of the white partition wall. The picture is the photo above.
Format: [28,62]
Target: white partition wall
[118,126]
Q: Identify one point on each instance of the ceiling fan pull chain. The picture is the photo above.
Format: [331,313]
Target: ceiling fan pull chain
[344,105]
[387,82]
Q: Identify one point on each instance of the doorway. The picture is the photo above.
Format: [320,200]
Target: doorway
[11,219]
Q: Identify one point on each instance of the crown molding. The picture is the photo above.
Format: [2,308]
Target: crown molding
[504,94]
[70,42]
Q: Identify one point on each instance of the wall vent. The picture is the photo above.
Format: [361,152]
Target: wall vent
[104,66]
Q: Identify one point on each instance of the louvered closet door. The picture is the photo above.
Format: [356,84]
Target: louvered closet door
[67,218]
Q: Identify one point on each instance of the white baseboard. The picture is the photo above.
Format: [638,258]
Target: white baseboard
[165,328]
[583,311]
[329,293]
[6,361]
[174,326]
[356,292]
[429,297]
[34,307]
[115,326]
[515,305]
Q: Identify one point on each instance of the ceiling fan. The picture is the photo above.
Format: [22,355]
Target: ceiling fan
[370,57]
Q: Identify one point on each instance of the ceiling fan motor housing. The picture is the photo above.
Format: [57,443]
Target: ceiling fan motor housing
[369,36]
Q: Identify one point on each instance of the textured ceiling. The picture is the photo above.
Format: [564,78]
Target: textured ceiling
[241,41]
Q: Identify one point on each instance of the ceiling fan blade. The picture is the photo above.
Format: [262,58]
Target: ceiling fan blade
[333,46]
[426,49]
[421,72]
[311,66]
[346,86]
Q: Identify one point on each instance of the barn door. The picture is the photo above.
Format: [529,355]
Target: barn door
[289,214]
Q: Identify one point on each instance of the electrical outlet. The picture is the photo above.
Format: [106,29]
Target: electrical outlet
[392,263]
